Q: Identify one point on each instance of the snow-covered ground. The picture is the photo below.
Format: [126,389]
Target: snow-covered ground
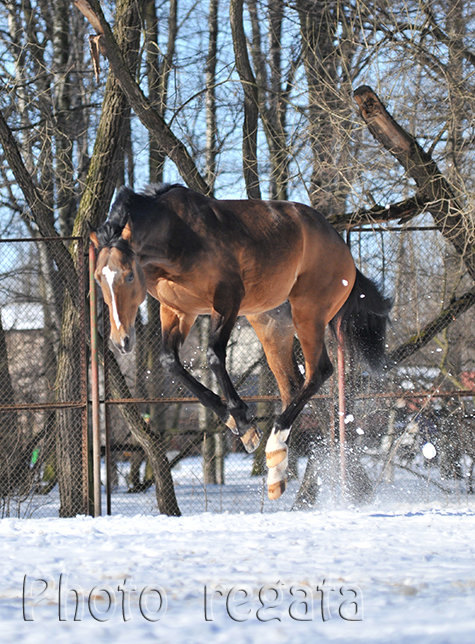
[399,570]
[245,493]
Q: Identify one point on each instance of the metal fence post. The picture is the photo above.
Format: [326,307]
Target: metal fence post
[107,398]
[341,407]
[96,435]
[84,391]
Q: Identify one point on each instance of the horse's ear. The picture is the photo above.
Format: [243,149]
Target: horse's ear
[119,214]
[126,231]
[94,240]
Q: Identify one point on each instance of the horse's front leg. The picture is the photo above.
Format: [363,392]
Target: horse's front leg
[239,420]
[175,328]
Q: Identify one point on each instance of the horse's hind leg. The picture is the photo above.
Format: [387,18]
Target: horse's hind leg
[310,330]
[276,332]
[276,447]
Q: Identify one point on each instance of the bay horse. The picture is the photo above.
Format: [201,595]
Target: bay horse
[278,263]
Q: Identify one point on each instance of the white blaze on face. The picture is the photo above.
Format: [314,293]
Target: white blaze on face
[110,276]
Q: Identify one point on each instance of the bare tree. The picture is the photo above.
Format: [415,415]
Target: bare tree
[251,102]
[149,116]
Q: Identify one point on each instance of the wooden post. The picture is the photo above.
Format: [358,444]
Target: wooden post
[107,396]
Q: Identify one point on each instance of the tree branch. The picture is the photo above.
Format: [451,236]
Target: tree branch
[401,211]
[251,101]
[435,326]
[41,213]
[439,34]
[142,107]
[434,189]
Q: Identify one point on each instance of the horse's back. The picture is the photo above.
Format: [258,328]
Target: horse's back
[276,250]
[269,226]
[289,249]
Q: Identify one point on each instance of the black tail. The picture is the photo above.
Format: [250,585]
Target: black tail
[363,319]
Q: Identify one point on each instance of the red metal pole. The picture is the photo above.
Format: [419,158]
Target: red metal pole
[333,459]
[341,408]
[107,397]
[96,436]
[84,393]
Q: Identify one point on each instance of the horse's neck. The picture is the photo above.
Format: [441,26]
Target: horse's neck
[168,242]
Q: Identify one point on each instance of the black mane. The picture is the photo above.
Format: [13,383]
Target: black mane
[109,233]
[156,190]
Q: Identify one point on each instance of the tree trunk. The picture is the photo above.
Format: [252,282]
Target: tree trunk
[318,458]
[65,197]
[265,413]
[318,28]
[158,77]
[151,442]
[101,181]
[69,427]
[211,121]
[11,454]
[208,455]
[272,97]
[251,104]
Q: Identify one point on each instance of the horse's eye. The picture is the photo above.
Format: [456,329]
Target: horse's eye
[129,277]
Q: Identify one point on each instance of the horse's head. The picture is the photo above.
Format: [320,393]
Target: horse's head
[122,282]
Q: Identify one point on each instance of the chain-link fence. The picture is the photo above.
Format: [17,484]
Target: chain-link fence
[43,384]
[162,451]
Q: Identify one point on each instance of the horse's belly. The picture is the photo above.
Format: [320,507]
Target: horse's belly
[266,295]
[182,299]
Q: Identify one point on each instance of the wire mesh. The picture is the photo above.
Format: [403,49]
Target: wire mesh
[43,386]
[164,452]
[431,391]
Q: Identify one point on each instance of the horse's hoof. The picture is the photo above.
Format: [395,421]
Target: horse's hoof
[231,424]
[251,439]
[275,490]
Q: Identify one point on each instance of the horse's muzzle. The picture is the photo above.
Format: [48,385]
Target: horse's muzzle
[126,343]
